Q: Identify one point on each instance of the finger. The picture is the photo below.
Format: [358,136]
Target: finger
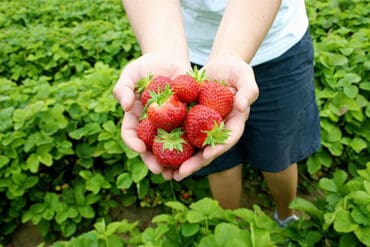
[151,162]
[167,174]
[189,167]
[129,133]
[242,98]
[124,90]
[247,89]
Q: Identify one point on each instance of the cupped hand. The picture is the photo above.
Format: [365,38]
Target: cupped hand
[239,76]
[156,63]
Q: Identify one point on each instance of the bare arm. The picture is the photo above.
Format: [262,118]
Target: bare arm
[158,25]
[243,27]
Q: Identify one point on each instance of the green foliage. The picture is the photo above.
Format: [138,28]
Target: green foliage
[62,160]
[60,39]
[105,235]
[342,217]
[341,34]
[63,165]
[203,223]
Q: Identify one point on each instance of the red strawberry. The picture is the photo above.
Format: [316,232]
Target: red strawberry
[146,131]
[165,110]
[187,86]
[151,84]
[217,96]
[172,148]
[204,126]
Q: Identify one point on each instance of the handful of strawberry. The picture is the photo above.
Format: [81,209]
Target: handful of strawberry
[182,115]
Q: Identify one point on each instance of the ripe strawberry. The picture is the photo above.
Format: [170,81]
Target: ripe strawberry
[146,131]
[217,96]
[187,86]
[165,110]
[151,84]
[172,148]
[204,126]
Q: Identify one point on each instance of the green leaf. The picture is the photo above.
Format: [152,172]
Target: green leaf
[154,236]
[306,206]
[113,147]
[84,150]
[245,214]
[358,144]
[124,181]
[365,86]
[359,216]
[334,133]
[348,240]
[351,91]
[115,241]
[363,235]
[86,211]
[227,234]
[208,208]
[177,206]
[163,218]
[339,177]
[45,158]
[259,237]
[189,229]
[68,229]
[343,222]
[110,127]
[3,160]
[313,164]
[351,78]
[138,169]
[96,182]
[142,188]
[100,226]
[313,237]
[195,217]
[208,241]
[365,173]
[343,101]
[329,59]
[328,185]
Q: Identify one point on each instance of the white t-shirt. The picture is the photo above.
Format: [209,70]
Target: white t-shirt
[202,18]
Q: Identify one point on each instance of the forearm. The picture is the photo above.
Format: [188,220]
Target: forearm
[243,27]
[157,24]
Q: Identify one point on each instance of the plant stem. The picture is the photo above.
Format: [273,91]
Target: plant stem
[173,191]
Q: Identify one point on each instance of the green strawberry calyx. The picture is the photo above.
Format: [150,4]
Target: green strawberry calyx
[217,135]
[198,75]
[161,96]
[171,140]
[143,83]
[158,98]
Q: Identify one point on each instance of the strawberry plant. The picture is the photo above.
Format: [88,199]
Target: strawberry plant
[62,160]
[63,165]
[341,217]
[203,223]
[341,37]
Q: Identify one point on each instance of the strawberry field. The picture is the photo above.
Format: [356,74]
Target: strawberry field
[65,170]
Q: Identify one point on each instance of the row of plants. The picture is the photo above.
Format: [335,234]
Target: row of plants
[64,167]
[62,159]
[341,37]
[341,217]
